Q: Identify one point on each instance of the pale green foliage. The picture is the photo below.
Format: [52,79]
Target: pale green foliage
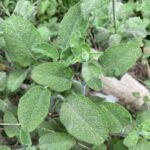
[135,27]
[131,139]
[71,22]
[117,117]
[12,130]
[78,112]
[33,107]
[45,50]
[141,145]
[25,138]
[25,9]
[55,75]
[91,74]
[87,6]
[118,59]
[19,40]
[15,80]
[56,141]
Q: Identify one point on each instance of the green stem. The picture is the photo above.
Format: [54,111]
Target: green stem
[114,15]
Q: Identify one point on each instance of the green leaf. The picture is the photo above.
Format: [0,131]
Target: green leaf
[25,138]
[141,145]
[145,8]
[56,141]
[12,130]
[91,73]
[78,112]
[118,59]
[4,148]
[136,27]
[25,9]
[131,139]
[54,75]
[87,6]
[46,50]
[33,107]
[117,116]
[2,81]
[15,80]
[20,35]
[71,22]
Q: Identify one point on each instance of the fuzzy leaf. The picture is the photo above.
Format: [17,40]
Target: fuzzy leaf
[131,139]
[71,22]
[78,112]
[15,80]
[20,35]
[91,74]
[56,141]
[46,50]
[25,138]
[54,75]
[118,59]
[117,116]
[11,131]
[33,107]
[87,6]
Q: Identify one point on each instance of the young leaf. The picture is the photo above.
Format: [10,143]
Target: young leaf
[20,35]
[117,116]
[46,50]
[56,141]
[131,139]
[71,22]
[33,107]
[25,138]
[12,130]
[54,75]
[136,27]
[4,148]
[78,112]
[15,80]
[91,74]
[118,59]
[142,144]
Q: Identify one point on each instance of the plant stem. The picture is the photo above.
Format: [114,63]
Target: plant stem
[84,146]
[9,124]
[114,15]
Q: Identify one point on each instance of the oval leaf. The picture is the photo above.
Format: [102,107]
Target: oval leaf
[79,112]
[20,35]
[118,59]
[54,75]
[56,141]
[15,80]
[71,22]
[11,131]
[33,107]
